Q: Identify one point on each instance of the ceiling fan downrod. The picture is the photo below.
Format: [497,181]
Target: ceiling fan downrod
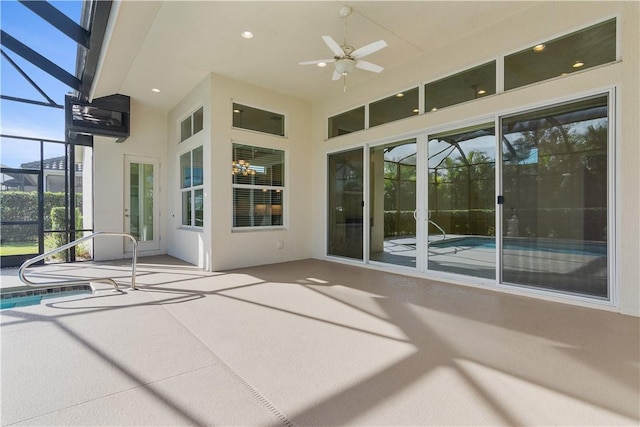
[345,11]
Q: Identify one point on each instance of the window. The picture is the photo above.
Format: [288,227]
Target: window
[396,107]
[245,117]
[348,122]
[192,124]
[258,186]
[578,51]
[191,180]
[462,87]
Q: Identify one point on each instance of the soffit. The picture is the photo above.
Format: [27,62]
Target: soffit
[173,45]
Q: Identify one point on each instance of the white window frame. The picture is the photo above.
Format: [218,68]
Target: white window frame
[191,130]
[190,189]
[281,188]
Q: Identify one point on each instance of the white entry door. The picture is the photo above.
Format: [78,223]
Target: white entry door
[141,202]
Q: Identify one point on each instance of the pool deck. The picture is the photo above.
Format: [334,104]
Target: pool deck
[310,343]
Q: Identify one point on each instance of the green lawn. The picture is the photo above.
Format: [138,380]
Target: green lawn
[18,248]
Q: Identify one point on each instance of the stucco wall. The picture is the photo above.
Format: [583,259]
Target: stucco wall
[232,249]
[148,139]
[216,246]
[542,22]
[190,244]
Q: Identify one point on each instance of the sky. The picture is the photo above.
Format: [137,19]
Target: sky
[17,118]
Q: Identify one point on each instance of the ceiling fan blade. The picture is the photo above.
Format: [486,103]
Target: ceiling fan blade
[317,61]
[336,76]
[365,65]
[333,45]
[368,49]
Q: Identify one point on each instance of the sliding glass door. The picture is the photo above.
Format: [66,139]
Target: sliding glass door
[435,208]
[345,204]
[461,194]
[392,203]
[555,188]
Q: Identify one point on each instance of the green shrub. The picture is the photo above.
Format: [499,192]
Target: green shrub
[23,206]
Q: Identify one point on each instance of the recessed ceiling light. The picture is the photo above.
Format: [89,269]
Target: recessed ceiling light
[482,92]
[434,109]
[247,34]
[578,64]
[155,89]
[322,64]
[539,47]
[399,95]
[415,110]
[237,111]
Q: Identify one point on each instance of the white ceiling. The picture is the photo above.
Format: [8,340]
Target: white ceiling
[173,45]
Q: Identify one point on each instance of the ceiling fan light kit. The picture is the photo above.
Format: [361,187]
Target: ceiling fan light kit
[346,58]
[345,66]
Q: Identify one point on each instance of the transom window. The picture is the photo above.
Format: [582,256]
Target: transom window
[250,118]
[192,124]
[347,122]
[258,187]
[466,86]
[577,51]
[398,106]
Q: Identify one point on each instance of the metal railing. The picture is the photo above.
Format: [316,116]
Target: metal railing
[28,263]
[444,234]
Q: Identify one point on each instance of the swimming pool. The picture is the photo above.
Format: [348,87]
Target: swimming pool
[25,298]
[521,244]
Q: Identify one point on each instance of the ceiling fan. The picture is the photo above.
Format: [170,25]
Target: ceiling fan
[346,58]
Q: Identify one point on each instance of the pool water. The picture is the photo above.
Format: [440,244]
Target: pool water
[34,297]
[542,245]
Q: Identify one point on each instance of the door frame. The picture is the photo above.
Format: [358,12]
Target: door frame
[143,246]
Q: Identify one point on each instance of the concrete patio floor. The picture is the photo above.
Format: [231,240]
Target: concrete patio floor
[310,343]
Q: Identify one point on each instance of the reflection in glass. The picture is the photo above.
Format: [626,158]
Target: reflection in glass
[199,207]
[198,120]
[185,129]
[257,165]
[185,170]
[197,169]
[84,187]
[462,202]
[345,204]
[466,86]
[258,186]
[257,207]
[555,198]
[350,121]
[186,208]
[141,201]
[245,117]
[393,202]
[578,51]
[396,107]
